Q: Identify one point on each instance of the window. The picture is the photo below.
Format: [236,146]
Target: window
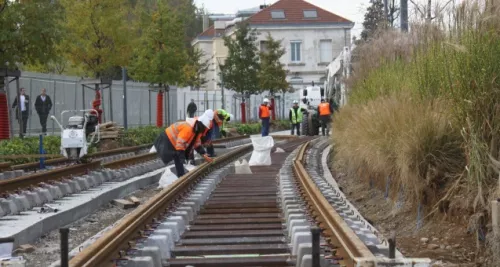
[263,46]
[295,51]
[325,51]
[277,14]
[310,14]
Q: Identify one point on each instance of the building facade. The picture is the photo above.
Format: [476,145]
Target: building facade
[311,36]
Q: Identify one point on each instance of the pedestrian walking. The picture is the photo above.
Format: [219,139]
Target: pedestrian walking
[325,112]
[43,105]
[191,109]
[264,115]
[179,140]
[23,110]
[295,116]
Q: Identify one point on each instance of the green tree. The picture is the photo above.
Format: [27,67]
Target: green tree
[374,19]
[241,67]
[97,36]
[196,68]
[28,32]
[160,57]
[272,75]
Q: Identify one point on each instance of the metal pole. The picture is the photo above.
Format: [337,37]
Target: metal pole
[386,12]
[124,78]
[19,114]
[315,246]
[110,102]
[29,109]
[54,109]
[392,246]
[64,247]
[83,97]
[41,150]
[223,105]
[404,15]
[149,95]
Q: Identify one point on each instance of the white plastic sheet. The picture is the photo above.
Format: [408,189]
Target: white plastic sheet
[261,155]
[152,150]
[242,168]
[169,177]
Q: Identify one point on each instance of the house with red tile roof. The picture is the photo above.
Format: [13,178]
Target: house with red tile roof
[311,36]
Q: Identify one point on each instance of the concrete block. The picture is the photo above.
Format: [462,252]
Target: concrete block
[2,213]
[304,249]
[55,191]
[2,176]
[181,224]
[293,223]
[160,241]
[292,209]
[108,175]
[99,176]
[298,239]
[197,199]
[9,206]
[33,198]
[64,187]
[84,185]
[189,210]
[172,226]
[75,186]
[9,174]
[137,262]
[22,202]
[153,252]
[44,194]
[183,214]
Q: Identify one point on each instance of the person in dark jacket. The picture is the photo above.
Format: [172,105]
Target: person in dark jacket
[23,110]
[191,109]
[43,105]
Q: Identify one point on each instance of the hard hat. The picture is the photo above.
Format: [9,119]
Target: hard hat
[265,100]
[295,101]
[207,117]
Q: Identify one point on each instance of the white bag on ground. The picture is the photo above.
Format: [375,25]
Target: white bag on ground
[261,155]
[279,150]
[169,177]
[242,168]
[152,150]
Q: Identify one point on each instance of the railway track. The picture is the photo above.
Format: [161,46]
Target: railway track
[213,217]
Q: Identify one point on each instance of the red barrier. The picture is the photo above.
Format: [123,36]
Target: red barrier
[273,111]
[159,109]
[4,117]
[243,113]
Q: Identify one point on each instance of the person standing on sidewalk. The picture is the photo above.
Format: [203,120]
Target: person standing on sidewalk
[265,115]
[43,105]
[325,112]
[295,116]
[191,109]
[23,110]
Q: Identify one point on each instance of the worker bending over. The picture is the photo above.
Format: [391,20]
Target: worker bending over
[179,139]
[295,116]
[265,115]
[220,118]
[325,113]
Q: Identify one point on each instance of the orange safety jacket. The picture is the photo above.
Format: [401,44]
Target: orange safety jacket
[324,109]
[264,112]
[181,134]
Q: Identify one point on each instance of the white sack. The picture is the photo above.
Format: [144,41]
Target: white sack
[279,150]
[261,155]
[169,177]
[152,150]
[242,168]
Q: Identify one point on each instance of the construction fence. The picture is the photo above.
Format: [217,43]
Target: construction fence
[67,93]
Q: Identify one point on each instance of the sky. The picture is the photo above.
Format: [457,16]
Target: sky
[353,10]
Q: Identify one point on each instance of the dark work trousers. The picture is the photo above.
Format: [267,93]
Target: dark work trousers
[24,116]
[43,122]
[167,153]
[296,126]
[191,114]
[265,127]
[214,133]
[325,121]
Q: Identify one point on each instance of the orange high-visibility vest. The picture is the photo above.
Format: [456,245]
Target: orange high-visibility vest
[264,111]
[324,109]
[181,134]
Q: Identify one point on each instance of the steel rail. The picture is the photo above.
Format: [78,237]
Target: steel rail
[353,251]
[108,246]
[12,185]
[117,164]
[5,166]
[62,160]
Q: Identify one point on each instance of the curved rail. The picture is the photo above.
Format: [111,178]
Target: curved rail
[110,244]
[352,249]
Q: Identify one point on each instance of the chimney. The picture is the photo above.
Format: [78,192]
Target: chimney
[205,22]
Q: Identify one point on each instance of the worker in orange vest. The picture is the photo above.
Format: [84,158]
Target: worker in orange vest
[265,115]
[179,139]
[325,113]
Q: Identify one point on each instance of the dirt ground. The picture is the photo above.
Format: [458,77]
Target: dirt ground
[444,241]
[47,248]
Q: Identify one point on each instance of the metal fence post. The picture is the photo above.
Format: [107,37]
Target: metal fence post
[42,151]
[64,247]
[54,108]
[124,78]
[315,231]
